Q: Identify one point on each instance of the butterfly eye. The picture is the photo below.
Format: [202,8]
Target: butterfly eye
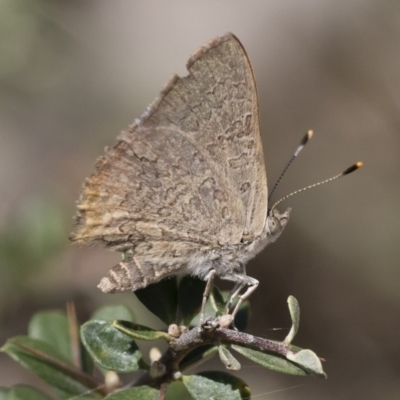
[274,226]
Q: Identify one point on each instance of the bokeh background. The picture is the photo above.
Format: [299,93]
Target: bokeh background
[75,73]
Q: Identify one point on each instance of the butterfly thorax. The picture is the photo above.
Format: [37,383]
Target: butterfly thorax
[228,258]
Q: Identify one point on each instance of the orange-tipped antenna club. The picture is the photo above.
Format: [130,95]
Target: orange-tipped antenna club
[349,170]
[353,168]
[303,142]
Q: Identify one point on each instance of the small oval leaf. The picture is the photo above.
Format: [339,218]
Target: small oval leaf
[22,392]
[161,299]
[218,303]
[140,332]
[111,313]
[227,359]
[190,297]
[294,310]
[137,393]
[177,391]
[268,360]
[110,348]
[243,316]
[51,327]
[197,356]
[308,360]
[44,361]
[216,385]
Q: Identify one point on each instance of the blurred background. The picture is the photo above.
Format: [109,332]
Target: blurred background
[73,74]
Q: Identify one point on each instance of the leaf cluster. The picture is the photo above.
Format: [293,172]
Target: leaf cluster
[93,360]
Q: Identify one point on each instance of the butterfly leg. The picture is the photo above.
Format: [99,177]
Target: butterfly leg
[233,294]
[252,286]
[210,279]
[241,280]
[239,285]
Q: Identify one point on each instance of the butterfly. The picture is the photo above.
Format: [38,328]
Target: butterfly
[184,190]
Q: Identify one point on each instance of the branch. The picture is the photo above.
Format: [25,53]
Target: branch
[212,331]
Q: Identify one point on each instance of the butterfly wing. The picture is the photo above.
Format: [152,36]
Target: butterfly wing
[156,185]
[191,171]
[217,105]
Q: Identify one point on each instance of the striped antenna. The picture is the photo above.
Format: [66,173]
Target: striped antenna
[303,142]
[349,170]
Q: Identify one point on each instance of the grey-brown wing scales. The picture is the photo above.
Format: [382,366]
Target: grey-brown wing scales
[156,185]
[149,263]
[217,105]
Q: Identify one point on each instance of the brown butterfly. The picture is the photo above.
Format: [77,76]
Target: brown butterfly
[184,190]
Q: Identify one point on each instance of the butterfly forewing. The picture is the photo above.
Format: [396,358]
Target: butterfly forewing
[217,105]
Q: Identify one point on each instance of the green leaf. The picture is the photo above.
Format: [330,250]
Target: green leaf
[209,312]
[111,313]
[45,361]
[177,391]
[161,299]
[22,392]
[294,310]
[137,393]
[216,385]
[217,301]
[110,348]
[197,356]
[227,358]
[190,297]
[51,327]
[243,316]
[308,360]
[272,361]
[139,332]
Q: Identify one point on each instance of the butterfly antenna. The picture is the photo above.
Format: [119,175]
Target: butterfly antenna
[303,142]
[349,170]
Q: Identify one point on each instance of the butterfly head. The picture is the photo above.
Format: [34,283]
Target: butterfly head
[276,222]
